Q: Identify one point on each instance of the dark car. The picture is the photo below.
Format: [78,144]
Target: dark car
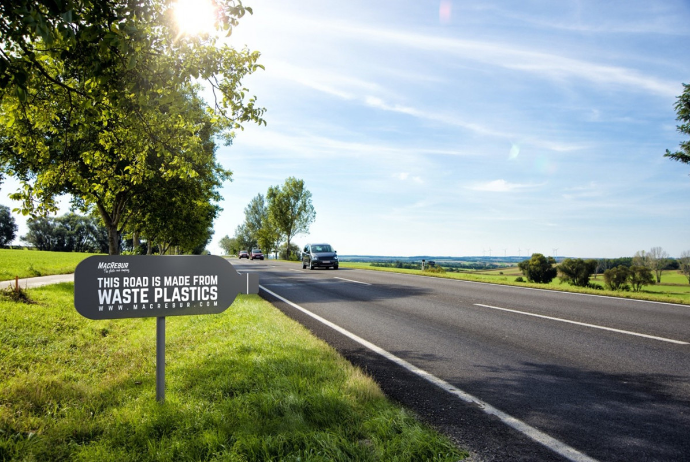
[257,254]
[244,254]
[319,255]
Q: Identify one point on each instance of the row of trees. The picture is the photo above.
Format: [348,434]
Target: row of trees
[274,219]
[645,269]
[68,233]
[99,100]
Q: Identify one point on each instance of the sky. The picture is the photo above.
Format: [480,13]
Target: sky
[458,128]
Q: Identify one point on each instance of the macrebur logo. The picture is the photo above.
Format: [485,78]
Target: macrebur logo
[113,267]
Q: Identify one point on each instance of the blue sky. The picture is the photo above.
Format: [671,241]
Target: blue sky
[463,128]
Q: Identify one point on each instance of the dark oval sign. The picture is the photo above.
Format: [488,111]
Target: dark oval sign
[115,287]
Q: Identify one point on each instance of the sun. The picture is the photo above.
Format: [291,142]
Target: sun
[195,17]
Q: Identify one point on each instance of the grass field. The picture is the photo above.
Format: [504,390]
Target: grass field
[246,385]
[32,263]
[674,287]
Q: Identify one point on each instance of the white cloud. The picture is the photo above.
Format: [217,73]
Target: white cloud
[499,186]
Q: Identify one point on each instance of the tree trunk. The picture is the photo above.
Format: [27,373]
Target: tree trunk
[135,240]
[113,240]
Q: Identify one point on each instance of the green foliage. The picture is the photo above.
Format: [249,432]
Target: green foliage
[538,268]
[290,208]
[68,233]
[434,269]
[249,384]
[576,271]
[229,245]
[8,226]
[617,278]
[98,101]
[292,255]
[519,279]
[683,111]
[640,276]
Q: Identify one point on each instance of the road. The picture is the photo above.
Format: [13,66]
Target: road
[606,379]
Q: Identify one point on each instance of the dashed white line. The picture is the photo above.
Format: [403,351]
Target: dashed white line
[297,271]
[555,445]
[594,326]
[350,280]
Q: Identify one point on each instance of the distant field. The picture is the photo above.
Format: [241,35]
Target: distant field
[672,289]
[246,385]
[32,263]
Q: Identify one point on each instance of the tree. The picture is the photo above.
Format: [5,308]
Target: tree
[290,209]
[617,278]
[229,245]
[684,264]
[683,111]
[538,268]
[96,99]
[576,271]
[8,226]
[641,259]
[640,276]
[268,237]
[657,259]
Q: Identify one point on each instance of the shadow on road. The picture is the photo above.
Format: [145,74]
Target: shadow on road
[623,416]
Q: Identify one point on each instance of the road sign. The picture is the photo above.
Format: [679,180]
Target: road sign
[116,287]
[124,286]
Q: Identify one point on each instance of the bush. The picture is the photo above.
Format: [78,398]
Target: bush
[640,276]
[576,271]
[617,278]
[519,279]
[434,269]
[538,268]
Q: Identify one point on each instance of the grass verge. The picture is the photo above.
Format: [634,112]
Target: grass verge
[246,385]
[32,263]
[658,293]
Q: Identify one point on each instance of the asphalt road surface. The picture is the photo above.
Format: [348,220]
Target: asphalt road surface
[594,378]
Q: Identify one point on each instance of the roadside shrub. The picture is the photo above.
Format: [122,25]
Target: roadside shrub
[576,271]
[434,269]
[538,268]
[617,278]
[519,279]
[594,286]
[640,276]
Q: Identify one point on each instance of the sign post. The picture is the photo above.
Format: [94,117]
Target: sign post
[119,287]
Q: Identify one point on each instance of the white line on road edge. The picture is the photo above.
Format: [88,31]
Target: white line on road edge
[350,280]
[299,271]
[678,342]
[555,445]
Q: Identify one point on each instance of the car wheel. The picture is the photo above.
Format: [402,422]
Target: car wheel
[311,267]
[335,267]
[304,266]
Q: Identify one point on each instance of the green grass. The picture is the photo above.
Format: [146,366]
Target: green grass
[674,287]
[32,263]
[246,385]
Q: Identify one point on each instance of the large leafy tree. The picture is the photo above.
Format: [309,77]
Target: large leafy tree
[290,209]
[97,100]
[683,111]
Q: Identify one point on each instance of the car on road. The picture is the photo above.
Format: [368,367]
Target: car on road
[244,254]
[319,255]
[257,254]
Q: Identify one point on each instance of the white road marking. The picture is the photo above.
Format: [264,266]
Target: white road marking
[594,326]
[350,280]
[555,445]
[298,271]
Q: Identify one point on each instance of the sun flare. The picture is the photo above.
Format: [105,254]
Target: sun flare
[195,16]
